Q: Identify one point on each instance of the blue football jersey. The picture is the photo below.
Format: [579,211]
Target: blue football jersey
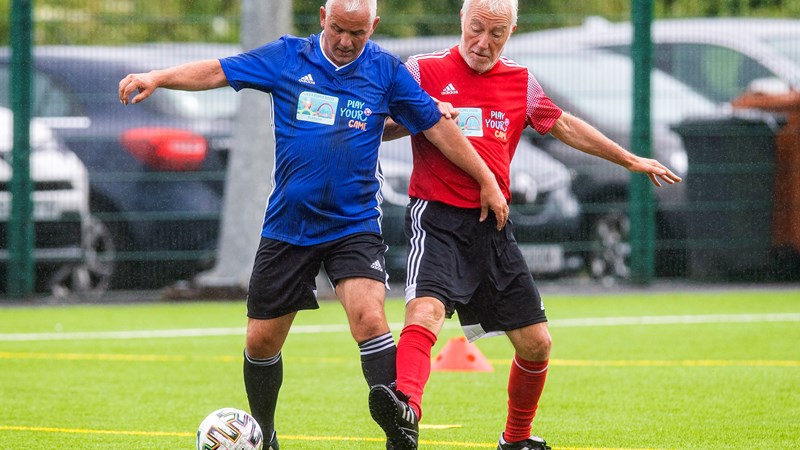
[328,123]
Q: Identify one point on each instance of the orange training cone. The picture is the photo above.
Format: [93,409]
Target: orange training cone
[461,355]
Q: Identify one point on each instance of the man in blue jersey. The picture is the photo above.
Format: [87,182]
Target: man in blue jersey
[331,95]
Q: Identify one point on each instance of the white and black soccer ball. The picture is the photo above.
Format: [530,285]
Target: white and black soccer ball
[229,429]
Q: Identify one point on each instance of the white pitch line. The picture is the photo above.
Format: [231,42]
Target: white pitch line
[677,320]
[340,328]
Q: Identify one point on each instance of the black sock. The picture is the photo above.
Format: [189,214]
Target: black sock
[262,381]
[378,360]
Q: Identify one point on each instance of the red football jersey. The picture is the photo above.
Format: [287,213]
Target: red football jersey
[494,107]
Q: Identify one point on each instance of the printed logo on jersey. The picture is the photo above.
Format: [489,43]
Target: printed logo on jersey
[498,122]
[356,114]
[317,108]
[449,89]
[470,120]
[308,79]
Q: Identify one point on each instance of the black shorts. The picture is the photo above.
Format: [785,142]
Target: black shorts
[283,280]
[471,267]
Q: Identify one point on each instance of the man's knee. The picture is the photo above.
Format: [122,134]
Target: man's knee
[262,346]
[532,343]
[428,312]
[368,323]
[265,338]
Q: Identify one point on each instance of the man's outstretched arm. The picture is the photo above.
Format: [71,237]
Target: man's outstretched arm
[193,76]
[580,135]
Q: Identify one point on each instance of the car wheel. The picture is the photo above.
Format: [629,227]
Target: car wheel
[91,277]
[609,257]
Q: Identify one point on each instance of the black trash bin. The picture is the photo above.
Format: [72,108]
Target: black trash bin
[729,188]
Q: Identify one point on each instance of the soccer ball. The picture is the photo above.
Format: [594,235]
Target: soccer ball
[229,429]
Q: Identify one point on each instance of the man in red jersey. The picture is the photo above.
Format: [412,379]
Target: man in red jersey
[457,263]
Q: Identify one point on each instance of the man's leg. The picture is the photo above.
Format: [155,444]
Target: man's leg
[397,410]
[526,380]
[363,301]
[424,320]
[263,368]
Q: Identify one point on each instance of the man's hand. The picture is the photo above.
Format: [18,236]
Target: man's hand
[446,108]
[141,82]
[492,198]
[654,171]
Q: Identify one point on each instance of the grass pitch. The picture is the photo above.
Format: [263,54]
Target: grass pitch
[712,370]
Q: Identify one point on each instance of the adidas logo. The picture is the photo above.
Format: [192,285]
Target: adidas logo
[449,89]
[307,79]
[377,265]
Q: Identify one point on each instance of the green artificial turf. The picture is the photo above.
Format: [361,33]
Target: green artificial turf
[705,370]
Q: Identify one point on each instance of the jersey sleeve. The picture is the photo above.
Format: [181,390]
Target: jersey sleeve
[413,67]
[541,112]
[411,106]
[257,69]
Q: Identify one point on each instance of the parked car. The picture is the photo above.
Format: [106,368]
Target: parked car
[156,170]
[72,251]
[598,87]
[544,210]
[718,57]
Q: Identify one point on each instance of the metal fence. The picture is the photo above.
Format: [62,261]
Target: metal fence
[130,197]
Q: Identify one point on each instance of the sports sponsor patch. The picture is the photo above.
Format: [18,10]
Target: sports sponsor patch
[470,120]
[318,108]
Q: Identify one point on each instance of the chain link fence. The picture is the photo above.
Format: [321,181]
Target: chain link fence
[135,193]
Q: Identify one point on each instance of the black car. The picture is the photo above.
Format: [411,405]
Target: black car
[597,86]
[156,170]
[544,210]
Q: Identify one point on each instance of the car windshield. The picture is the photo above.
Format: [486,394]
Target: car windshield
[787,46]
[222,103]
[600,87]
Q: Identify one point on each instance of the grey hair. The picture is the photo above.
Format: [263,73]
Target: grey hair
[495,6]
[356,5]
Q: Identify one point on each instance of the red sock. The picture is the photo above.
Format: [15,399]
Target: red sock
[525,385]
[414,363]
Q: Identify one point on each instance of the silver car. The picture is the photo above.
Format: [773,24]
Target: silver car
[718,57]
[72,250]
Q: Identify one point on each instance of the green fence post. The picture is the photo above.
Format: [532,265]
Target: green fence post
[20,230]
[642,201]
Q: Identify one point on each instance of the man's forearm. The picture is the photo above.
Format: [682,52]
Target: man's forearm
[393,130]
[193,76]
[454,146]
[582,136]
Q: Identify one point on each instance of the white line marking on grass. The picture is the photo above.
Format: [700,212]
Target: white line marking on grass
[677,320]
[123,335]
[339,328]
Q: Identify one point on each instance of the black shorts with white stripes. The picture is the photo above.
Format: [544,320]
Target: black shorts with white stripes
[471,267]
[283,280]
